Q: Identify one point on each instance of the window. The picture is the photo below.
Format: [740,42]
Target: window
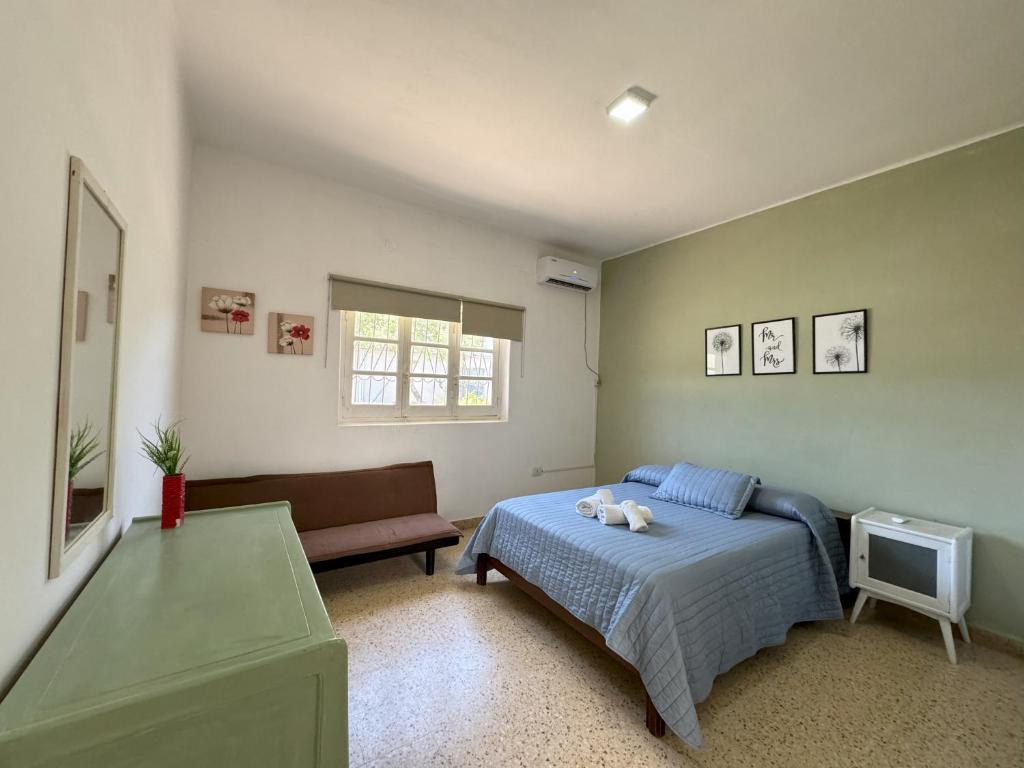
[409,369]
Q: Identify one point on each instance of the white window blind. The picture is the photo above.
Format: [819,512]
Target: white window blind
[478,317]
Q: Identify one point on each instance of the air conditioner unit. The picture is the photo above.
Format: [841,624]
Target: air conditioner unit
[563,273]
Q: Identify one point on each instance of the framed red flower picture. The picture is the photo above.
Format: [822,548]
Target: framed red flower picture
[289,334]
[224,311]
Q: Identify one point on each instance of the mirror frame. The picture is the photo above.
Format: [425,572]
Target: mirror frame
[80,183]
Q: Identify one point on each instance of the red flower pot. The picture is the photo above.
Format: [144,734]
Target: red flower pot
[172,513]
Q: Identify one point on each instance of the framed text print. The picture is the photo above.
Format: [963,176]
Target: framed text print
[841,342]
[722,351]
[773,346]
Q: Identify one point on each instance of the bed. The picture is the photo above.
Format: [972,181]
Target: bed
[681,603]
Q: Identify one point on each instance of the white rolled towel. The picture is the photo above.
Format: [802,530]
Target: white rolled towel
[588,507]
[611,514]
[615,514]
[634,515]
[645,511]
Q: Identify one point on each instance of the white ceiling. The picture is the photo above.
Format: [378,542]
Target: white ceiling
[494,109]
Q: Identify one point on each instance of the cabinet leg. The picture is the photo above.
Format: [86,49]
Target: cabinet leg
[963,630]
[947,636]
[872,603]
[862,597]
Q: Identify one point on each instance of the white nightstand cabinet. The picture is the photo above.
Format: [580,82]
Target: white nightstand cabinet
[922,565]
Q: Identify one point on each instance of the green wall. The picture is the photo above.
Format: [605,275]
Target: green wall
[935,251]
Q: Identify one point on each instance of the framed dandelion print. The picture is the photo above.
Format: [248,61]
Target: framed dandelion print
[722,351]
[226,311]
[773,346]
[289,334]
[841,342]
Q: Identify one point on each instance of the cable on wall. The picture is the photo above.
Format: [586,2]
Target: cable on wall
[538,471]
[586,354]
[327,321]
[522,354]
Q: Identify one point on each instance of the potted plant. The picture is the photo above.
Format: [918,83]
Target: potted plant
[83,451]
[166,453]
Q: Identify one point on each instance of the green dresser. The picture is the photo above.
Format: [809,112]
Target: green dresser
[202,646]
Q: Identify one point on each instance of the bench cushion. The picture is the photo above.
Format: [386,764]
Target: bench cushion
[374,536]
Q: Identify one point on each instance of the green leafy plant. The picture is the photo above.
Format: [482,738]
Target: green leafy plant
[165,451]
[84,448]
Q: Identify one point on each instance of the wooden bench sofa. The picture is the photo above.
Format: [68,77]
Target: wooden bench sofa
[345,518]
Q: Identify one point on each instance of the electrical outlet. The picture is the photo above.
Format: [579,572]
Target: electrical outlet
[536,471]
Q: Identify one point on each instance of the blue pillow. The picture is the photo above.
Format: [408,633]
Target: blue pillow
[716,490]
[648,474]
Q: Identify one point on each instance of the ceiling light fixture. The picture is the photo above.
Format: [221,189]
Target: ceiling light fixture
[631,104]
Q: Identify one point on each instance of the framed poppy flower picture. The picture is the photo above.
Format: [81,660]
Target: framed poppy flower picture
[226,311]
[289,334]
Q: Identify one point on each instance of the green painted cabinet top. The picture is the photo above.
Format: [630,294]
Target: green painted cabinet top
[224,607]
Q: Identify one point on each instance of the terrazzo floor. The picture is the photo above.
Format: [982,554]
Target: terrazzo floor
[445,673]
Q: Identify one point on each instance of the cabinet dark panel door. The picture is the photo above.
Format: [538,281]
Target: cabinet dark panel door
[905,565]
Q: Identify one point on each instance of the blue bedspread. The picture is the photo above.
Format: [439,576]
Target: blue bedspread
[685,601]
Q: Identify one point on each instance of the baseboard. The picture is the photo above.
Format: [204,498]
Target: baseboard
[465,525]
[994,640]
[903,615]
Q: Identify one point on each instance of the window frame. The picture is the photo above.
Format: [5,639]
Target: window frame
[371,411]
[498,382]
[408,411]
[402,412]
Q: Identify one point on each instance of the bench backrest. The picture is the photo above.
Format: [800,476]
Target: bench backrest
[326,499]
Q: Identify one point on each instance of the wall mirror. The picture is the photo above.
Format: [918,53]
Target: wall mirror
[83,476]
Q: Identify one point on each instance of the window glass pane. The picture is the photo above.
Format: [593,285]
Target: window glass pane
[429,331]
[474,392]
[424,391]
[476,363]
[432,360]
[374,390]
[477,342]
[375,356]
[376,326]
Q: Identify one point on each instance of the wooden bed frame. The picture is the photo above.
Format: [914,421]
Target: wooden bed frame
[655,724]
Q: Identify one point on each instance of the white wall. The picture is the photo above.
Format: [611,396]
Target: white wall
[98,80]
[259,227]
